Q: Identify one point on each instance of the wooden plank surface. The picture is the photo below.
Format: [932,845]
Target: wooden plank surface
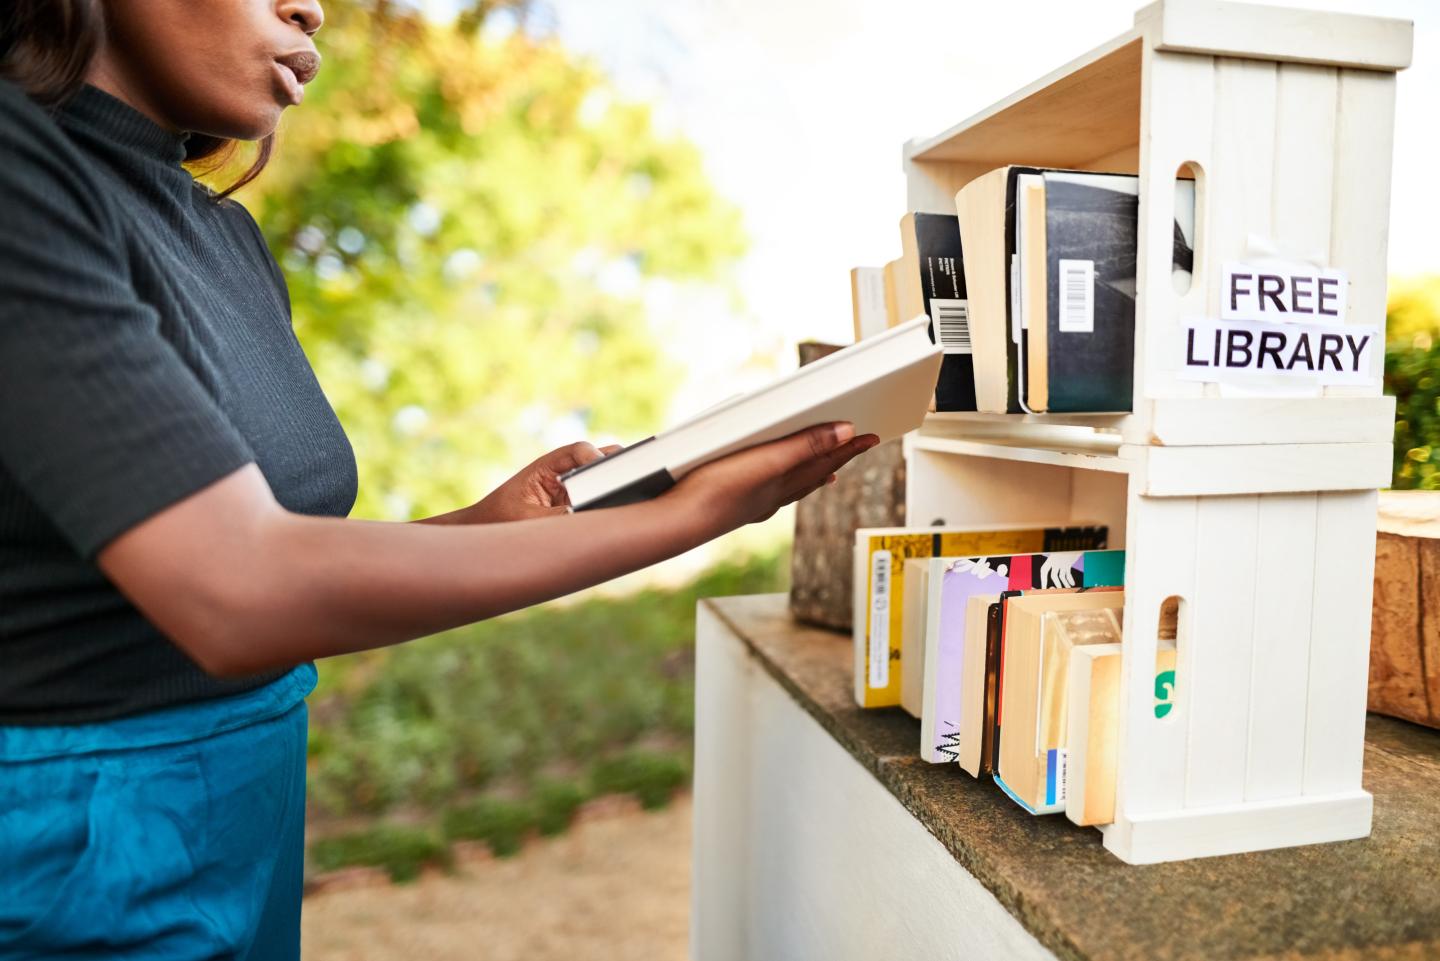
[1220,651]
[1280,655]
[1278,33]
[1160,562]
[1344,562]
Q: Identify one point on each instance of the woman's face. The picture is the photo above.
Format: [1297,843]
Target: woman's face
[226,68]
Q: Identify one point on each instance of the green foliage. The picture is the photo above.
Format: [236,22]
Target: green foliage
[649,776]
[555,804]
[467,226]
[1412,375]
[400,849]
[501,824]
[513,698]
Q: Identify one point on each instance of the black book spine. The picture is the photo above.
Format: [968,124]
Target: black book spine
[992,672]
[1014,353]
[942,285]
[643,489]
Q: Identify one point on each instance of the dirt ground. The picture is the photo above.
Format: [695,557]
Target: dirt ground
[615,886]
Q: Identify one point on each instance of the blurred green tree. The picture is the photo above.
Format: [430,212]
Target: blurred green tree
[467,219]
[1412,374]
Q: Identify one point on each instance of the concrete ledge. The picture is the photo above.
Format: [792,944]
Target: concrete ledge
[1369,898]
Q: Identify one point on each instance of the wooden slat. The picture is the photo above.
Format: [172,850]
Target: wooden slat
[1364,145]
[1263,469]
[1339,641]
[1261,826]
[1183,422]
[1303,185]
[1159,563]
[1220,650]
[1284,590]
[1238,184]
[1181,133]
[1280,33]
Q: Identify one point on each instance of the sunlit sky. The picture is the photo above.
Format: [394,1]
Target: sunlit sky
[800,109]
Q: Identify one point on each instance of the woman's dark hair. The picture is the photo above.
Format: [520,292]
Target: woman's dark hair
[46,47]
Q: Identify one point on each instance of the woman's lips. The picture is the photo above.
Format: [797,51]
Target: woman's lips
[294,70]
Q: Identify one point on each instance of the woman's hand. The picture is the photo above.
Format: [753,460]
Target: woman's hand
[752,484]
[535,491]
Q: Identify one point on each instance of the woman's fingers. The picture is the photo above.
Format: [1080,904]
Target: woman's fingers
[816,470]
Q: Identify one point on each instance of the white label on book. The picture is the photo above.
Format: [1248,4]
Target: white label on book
[1282,292]
[1242,351]
[952,324]
[880,619]
[1077,296]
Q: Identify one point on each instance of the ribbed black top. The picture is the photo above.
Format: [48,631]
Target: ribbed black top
[145,352]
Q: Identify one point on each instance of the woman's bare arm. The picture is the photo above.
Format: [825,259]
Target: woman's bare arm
[242,585]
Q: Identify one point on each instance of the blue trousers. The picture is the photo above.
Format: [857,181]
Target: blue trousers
[175,834]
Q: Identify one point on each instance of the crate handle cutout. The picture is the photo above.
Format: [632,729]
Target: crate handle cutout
[1167,656]
[1185,247]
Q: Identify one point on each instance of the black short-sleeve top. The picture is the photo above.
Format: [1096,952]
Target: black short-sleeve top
[146,351]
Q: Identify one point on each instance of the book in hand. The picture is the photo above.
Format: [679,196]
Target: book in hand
[932,266]
[881,589]
[1051,258]
[882,385]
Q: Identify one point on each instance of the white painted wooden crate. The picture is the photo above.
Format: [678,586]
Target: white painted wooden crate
[1259,514]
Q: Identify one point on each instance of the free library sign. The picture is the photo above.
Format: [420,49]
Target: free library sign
[1277,324]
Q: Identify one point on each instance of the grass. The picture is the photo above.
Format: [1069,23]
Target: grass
[505,728]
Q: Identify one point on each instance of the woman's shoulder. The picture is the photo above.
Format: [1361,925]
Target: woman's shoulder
[41,166]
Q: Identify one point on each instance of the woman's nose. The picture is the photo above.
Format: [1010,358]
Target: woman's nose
[305,14]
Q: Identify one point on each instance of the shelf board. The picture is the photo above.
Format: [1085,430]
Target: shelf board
[1191,422]
[1102,454]
[947,420]
[1087,109]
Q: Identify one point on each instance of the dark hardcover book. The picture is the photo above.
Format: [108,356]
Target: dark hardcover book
[1091,239]
[992,674]
[931,247]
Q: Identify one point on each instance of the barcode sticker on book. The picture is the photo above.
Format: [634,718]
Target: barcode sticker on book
[1077,296]
[880,619]
[952,324]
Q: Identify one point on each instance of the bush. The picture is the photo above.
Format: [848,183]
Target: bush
[509,698]
[1412,374]
[499,823]
[402,850]
[651,777]
[555,805]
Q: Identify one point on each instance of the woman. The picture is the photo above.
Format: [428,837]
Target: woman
[173,488]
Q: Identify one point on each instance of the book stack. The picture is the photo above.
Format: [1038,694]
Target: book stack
[1005,642]
[1029,289]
